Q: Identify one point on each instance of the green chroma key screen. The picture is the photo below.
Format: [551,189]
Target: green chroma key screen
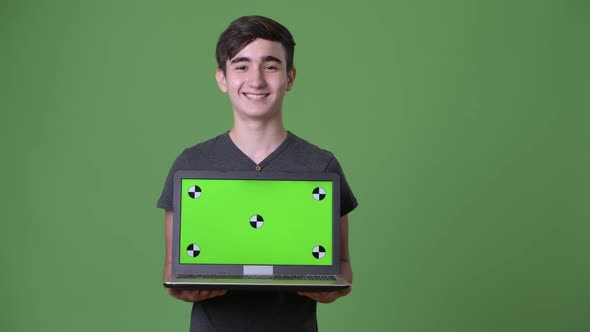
[258,222]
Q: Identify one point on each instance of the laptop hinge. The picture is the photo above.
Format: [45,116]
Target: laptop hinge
[258,269]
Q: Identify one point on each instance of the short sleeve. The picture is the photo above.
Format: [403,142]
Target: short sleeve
[348,201]
[166,198]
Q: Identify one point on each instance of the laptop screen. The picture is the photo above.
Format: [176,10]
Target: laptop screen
[255,222]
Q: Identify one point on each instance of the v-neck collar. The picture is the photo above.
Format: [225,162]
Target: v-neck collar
[268,159]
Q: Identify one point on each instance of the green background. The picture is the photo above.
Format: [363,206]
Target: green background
[462,127]
[218,221]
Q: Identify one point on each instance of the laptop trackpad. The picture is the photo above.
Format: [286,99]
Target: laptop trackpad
[258,269]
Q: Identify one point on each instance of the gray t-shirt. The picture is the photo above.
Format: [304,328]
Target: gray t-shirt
[256,310]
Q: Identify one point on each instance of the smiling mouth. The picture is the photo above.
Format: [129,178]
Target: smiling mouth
[252,96]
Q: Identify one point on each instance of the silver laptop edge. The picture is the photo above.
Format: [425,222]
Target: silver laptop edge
[187,269]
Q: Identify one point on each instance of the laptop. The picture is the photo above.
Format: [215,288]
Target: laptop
[256,230]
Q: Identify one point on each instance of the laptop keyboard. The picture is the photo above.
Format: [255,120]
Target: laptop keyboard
[252,276]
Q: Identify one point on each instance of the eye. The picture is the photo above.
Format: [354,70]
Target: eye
[241,68]
[271,68]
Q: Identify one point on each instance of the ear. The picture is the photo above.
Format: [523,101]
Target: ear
[220,77]
[291,78]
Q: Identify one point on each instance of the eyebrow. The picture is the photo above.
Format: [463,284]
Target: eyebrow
[267,58]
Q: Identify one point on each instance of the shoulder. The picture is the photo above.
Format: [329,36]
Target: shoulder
[204,155]
[205,148]
[302,155]
[302,146]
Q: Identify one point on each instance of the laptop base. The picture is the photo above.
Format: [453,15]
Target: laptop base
[293,288]
[334,283]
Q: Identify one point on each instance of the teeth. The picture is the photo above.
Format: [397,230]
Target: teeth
[255,97]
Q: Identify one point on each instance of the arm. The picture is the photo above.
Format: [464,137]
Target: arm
[184,295]
[327,297]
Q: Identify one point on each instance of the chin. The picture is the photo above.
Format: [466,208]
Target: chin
[258,114]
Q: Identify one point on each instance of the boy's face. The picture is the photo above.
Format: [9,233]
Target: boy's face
[256,79]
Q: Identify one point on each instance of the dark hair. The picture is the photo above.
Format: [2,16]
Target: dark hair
[244,30]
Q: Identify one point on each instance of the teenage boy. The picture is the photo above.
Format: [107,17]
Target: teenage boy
[255,68]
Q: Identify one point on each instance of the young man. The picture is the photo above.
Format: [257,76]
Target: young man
[255,69]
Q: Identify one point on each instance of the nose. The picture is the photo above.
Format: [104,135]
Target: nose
[256,79]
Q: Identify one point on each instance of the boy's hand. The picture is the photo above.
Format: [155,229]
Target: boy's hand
[194,295]
[326,297]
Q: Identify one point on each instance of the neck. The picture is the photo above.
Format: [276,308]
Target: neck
[258,138]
